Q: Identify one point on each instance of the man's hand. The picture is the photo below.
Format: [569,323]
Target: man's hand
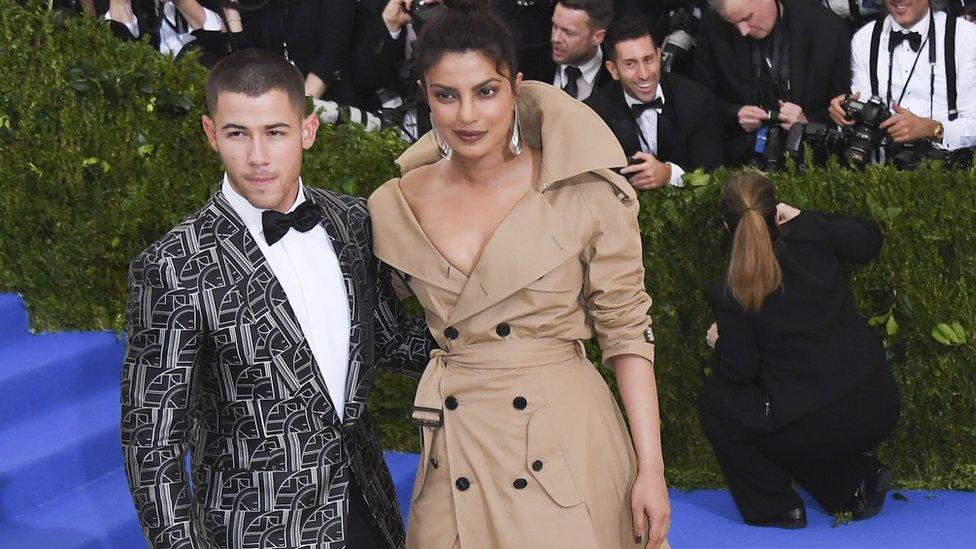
[836,111]
[314,86]
[651,173]
[396,14]
[905,126]
[711,336]
[751,117]
[789,114]
[785,212]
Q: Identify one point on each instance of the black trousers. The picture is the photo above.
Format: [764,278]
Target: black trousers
[824,452]
[361,531]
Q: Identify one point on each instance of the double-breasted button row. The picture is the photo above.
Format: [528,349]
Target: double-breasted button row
[462,483]
[520,483]
[451,332]
[503,330]
[451,402]
[519,403]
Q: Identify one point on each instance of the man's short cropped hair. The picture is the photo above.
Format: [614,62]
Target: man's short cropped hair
[600,12]
[622,31]
[255,73]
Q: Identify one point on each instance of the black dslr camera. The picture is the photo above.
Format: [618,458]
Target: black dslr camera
[422,11]
[866,134]
[680,26]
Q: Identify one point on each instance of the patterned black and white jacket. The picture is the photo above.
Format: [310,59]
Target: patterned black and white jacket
[216,364]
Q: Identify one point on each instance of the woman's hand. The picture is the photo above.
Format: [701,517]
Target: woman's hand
[711,336]
[649,503]
[785,212]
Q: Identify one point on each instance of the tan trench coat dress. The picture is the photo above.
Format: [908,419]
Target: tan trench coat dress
[523,443]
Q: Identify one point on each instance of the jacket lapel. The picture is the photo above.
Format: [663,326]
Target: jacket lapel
[798,57]
[622,123]
[267,306]
[665,122]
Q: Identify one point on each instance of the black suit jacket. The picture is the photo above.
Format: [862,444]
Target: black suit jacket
[216,365]
[536,64]
[688,132]
[808,345]
[820,61]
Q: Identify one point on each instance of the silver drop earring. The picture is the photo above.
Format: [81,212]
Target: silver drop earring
[442,147]
[515,145]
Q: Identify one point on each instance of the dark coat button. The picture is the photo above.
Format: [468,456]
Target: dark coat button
[451,402]
[536,465]
[462,484]
[520,403]
[451,332]
[520,483]
[503,329]
[435,465]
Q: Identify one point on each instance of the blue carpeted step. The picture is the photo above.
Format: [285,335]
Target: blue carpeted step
[99,515]
[13,318]
[47,371]
[54,453]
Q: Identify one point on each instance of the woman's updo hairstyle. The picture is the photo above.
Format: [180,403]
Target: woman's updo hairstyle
[466,25]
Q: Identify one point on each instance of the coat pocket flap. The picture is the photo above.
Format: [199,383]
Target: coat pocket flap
[554,474]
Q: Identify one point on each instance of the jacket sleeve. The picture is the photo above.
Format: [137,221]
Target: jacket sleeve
[854,240]
[616,301]
[736,348]
[706,67]
[162,352]
[375,53]
[336,23]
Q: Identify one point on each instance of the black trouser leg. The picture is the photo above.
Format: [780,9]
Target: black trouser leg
[361,531]
[760,487]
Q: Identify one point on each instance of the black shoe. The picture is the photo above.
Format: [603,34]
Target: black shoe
[871,493]
[791,520]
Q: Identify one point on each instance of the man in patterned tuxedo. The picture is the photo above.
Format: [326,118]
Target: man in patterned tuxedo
[254,329]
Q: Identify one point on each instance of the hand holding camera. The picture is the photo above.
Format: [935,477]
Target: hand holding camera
[644,171]
[789,114]
[398,13]
[904,126]
[751,117]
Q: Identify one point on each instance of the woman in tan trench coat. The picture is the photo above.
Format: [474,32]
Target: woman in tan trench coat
[519,243]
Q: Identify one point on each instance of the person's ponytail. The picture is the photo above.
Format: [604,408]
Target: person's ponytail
[749,208]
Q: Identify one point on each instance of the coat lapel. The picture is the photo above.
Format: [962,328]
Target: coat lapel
[665,122]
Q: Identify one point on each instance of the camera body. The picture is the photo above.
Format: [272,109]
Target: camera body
[865,135]
[680,26]
[422,11]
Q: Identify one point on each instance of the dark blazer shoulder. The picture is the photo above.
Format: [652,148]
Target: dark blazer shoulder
[607,100]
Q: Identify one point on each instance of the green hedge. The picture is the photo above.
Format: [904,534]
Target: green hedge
[101,152]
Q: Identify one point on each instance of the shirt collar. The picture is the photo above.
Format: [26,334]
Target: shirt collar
[921,27]
[252,216]
[590,68]
[631,101]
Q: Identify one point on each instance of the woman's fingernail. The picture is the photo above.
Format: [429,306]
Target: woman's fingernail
[638,538]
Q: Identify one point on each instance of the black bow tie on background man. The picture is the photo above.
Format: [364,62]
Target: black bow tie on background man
[897,37]
[302,219]
[639,108]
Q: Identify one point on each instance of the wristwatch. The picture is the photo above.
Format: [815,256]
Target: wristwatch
[939,132]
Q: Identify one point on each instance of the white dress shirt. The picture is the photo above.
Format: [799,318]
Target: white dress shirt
[958,133]
[307,267]
[647,122]
[170,41]
[585,82]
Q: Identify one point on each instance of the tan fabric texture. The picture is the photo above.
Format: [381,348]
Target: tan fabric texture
[533,451]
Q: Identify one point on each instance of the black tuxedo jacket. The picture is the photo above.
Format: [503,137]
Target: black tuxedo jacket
[808,345]
[819,59]
[216,364]
[688,131]
[535,63]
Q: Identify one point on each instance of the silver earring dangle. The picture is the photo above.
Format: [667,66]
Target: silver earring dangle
[515,145]
[442,146]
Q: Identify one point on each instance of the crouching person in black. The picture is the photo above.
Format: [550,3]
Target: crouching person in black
[800,390]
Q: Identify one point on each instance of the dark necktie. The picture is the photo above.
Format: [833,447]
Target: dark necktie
[639,108]
[302,219]
[572,75]
[914,40]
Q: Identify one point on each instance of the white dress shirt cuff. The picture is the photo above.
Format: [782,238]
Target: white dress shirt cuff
[959,133]
[211,21]
[676,173]
[396,35]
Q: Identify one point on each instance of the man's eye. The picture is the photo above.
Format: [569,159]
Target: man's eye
[276,133]
[235,134]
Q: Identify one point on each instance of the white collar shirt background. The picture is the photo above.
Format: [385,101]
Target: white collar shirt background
[307,267]
[585,82]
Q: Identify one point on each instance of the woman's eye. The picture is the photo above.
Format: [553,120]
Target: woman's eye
[444,96]
[487,92]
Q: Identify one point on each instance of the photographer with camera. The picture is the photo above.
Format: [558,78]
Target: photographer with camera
[171,24]
[666,123]
[901,61]
[771,63]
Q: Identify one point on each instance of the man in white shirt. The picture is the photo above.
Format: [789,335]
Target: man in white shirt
[254,330]
[576,64]
[910,77]
[178,20]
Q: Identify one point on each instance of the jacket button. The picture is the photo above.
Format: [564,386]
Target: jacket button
[451,332]
[520,483]
[503,329]
[435,464]
[520,403]
[536,465]
[462,484]
[451,402]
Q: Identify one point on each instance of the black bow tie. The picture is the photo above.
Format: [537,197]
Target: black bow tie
[897,37]
[276,224]
[639,108]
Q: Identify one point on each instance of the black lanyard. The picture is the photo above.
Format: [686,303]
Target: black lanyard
[930,41]
[775,63]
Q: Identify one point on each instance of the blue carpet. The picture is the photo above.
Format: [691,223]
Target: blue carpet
[62,485]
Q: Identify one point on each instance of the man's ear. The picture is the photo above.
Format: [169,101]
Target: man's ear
[310,127]
[612,69]
[598,37]
[210,129]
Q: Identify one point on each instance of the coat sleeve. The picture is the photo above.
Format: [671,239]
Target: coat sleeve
[854,240]
[616,302]
[706,66]
[162,354]
[375,53]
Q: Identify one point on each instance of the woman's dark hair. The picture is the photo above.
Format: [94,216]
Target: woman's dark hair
[466,25]
[749,209]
